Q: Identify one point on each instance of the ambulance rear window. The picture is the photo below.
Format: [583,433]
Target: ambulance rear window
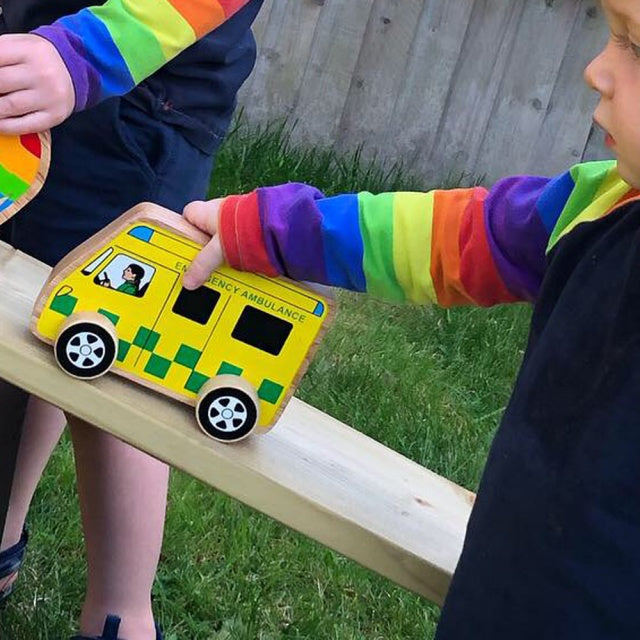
[262,330]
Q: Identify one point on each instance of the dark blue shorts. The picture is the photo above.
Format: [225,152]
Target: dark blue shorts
[103,162]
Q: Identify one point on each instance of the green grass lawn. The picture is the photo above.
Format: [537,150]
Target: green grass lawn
[426,382]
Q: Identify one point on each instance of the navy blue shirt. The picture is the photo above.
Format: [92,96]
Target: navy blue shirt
[553,543]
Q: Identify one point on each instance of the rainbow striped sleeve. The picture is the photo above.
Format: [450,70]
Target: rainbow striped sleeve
[109,49]
[462,246]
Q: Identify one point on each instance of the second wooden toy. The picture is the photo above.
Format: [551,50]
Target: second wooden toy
[24,164]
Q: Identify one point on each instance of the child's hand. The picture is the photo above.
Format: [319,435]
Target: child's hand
[36,92]
[204,216]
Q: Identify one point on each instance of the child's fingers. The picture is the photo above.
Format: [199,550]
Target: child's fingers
[30,123]
[12,49]
[203,215]
[18,103]
[209,258]
[14,78]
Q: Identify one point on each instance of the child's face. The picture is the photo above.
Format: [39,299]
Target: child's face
[615,75]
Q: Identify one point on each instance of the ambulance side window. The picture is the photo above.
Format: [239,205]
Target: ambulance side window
[262,330]
[196,305]
[125,274]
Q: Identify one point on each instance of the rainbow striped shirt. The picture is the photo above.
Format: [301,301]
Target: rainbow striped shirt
[449,247]
[109,49]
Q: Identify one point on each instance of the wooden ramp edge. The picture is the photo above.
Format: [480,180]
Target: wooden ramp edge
[311,472]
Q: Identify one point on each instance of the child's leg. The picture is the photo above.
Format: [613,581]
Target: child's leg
[43,424]
[13,403]
[123,498]
[42,428]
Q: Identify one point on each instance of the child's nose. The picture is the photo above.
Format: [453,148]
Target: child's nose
[597,75]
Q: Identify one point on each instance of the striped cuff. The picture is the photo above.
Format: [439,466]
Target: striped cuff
[71,49]
[241,236]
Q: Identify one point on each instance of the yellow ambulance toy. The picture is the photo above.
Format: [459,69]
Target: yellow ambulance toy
[235,348]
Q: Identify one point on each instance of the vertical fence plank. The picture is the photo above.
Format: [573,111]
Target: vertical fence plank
[283,54]
[524,96]
[475,84]
[332,62]
[261,21]
[565,133]
[380,72]
[422,98]
[245,95]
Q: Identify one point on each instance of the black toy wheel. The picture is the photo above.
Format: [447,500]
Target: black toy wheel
[86,348]
[227,408]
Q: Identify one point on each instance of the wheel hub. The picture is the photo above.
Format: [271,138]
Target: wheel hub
[86,349]
[227,413]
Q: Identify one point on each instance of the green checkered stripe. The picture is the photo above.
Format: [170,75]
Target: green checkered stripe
[63,304]
[158,366]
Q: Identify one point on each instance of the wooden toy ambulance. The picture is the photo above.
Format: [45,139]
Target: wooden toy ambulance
[235,348]
[24,163]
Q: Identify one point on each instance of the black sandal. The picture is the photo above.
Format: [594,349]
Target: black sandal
[10,562]
[110,631]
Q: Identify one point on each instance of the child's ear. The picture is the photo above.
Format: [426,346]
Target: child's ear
[24,163]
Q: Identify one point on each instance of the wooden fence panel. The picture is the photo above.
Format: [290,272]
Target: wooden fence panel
[481,87]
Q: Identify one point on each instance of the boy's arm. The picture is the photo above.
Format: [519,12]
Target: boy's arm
[97,53]
[464,246]
[111,48]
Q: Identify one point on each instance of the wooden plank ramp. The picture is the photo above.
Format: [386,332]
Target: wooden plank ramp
[311,472]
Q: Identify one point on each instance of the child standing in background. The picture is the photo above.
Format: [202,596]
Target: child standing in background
[152,88]
[552,549]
